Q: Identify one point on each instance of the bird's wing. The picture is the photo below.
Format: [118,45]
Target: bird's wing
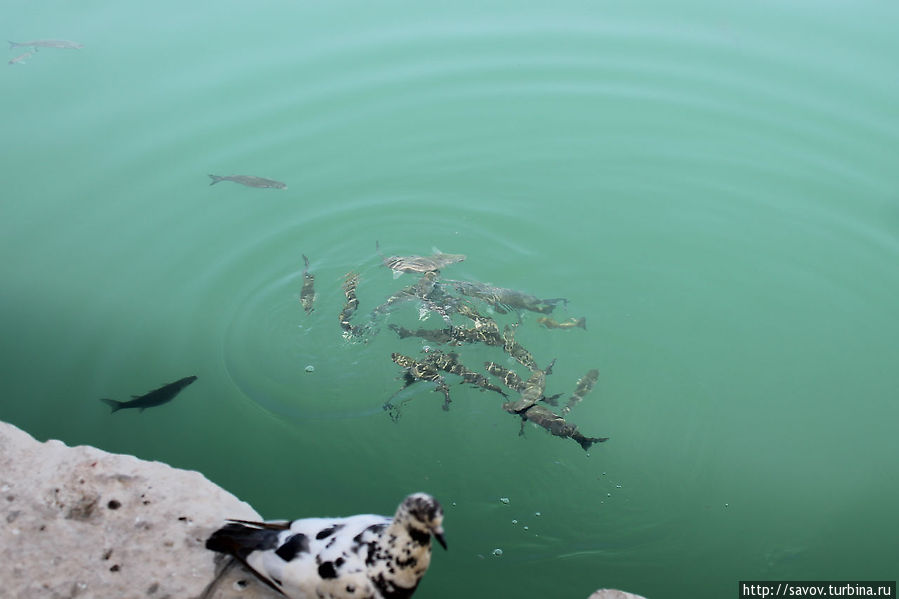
[269,525]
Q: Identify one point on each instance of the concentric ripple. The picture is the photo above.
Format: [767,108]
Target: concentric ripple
[712,185]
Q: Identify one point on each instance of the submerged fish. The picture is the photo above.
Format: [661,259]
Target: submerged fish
[531,392]
[350,330]
[557,426]
[571,323]
[511,380]
[307,293]
[446,335]
[517,350]
[417,371]
[157,397]
[420,290]
[21,58]
[584,386]
[48,44]
[480,321]
[419,264]
[249,181]
[449,362]
[453,335]
[503,299]
[509,377]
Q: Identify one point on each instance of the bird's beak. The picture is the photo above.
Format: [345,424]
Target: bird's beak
[438,534]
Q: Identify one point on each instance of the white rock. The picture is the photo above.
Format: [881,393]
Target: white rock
[96,524]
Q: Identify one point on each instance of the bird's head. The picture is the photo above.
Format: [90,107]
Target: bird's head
[423,517]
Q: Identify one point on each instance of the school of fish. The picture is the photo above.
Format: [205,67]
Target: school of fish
[463,308]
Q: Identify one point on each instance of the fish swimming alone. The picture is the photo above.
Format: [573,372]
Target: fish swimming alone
[557,426]
[570,323]
[249,181]
[21,58]
[157,397]
[64,44]
[356,557]
[307,293]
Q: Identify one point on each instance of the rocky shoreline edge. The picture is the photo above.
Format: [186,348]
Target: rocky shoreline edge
[82,522]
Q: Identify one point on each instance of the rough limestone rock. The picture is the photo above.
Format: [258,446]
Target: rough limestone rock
[613,594]
[80,522]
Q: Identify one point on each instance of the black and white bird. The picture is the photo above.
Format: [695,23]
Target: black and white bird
[358,557]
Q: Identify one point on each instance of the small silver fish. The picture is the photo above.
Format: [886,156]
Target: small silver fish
[21,58]
[570,323]
[64,44]
[249,181]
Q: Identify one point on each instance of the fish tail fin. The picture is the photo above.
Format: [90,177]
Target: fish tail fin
[215,179]
[582,322]
[115,405]
[12,44]
[586,442]
[378,249]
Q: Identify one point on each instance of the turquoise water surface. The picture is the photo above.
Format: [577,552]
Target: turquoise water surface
[714,185]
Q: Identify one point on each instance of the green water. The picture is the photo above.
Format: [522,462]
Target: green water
[713,185]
